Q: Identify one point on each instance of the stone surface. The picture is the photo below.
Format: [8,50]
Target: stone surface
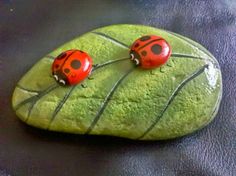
[177,99]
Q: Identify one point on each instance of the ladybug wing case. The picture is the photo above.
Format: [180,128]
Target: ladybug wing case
[60,60]
[77,67]
[155,54]
[153,51]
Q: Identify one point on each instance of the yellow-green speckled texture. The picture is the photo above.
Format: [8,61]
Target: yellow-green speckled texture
[140,101]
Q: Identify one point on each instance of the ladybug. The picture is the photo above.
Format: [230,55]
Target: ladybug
[150,51]
[71,67]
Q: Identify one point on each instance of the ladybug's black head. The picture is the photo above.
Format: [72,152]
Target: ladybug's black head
[134,56]
[61,78]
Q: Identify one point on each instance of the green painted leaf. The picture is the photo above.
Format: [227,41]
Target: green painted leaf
[120,100]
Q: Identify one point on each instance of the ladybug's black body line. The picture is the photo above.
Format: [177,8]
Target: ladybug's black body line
[67,57]
[172,97]
[152,41]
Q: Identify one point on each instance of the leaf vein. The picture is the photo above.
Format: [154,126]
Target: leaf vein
[172,97]
[193,44]
[106,101]
[113,40]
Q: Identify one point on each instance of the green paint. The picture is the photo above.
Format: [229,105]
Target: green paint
[139,99]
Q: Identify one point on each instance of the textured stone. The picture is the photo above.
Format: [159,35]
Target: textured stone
[167,102]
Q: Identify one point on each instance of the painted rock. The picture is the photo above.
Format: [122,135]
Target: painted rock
[167,102]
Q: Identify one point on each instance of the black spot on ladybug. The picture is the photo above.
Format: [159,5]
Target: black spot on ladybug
[81,51]
[144,53]
[61,56]
[56,66]
[66,70]
[145,38]
[156,49]
[75,64]
[136,45]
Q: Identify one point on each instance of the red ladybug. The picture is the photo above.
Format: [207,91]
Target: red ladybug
[71,67]
[150,51]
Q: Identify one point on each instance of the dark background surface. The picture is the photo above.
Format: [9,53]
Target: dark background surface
[31,29]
